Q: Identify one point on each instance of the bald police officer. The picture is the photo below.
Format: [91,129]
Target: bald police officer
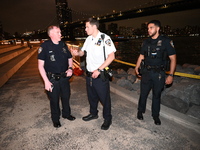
[55,67]
[153,57]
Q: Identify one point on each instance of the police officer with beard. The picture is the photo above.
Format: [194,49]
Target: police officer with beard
[55,66]
[151,67]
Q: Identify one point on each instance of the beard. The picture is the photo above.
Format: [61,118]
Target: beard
[152,34]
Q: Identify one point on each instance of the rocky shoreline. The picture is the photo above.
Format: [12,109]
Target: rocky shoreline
[183,95]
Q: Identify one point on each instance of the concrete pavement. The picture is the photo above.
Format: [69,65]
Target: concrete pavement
[25,120]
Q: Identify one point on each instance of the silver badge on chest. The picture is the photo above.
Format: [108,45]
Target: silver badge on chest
[52,56]
[159,43]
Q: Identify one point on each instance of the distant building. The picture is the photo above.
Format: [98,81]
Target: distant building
[144,30]
[167,30]
[112,29]
[64,16]
[102,27]
[1,31]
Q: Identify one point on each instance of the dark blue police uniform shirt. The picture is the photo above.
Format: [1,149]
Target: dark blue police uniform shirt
[163,46]
[55,56]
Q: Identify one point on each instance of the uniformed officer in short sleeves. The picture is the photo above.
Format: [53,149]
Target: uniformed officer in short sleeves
[55,66]
[153,59]
[98,87]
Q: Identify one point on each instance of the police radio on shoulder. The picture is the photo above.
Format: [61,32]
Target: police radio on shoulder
[171,75]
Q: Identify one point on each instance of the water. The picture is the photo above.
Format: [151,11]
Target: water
[187,49]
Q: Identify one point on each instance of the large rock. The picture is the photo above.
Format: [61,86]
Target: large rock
[120,73]
[175,103]
[131,78]
[187,90]
[197,70]
[194,111]
[183,95]
[131,71]
[125,84]
[189,68]
[136,86]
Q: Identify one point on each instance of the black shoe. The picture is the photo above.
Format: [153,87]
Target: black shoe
[139,115]
[57,124]
[106,124]
[157,120]
[90,117]
[70,117]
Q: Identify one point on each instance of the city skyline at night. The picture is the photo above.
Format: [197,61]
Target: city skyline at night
[25,16]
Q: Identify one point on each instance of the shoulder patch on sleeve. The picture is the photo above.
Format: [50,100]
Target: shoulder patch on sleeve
[108,42]
[39,50]
[172,44]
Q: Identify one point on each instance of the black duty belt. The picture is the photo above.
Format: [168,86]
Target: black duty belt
[89,74]
[56,76]
[160,68]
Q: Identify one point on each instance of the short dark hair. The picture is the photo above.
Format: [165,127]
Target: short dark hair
[156,22]
[51,27]
[93,21]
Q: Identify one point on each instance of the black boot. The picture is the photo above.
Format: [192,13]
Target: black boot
[106,124]
[157,120]
[139,115]
[56,124]
[90,117]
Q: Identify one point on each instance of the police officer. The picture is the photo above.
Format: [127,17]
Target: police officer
[98,87]
[55,67]
[153,57]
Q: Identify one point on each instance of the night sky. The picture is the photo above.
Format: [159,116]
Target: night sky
[27,15]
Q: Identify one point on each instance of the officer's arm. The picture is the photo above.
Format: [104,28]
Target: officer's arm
[108,61]
[140,58]
[172,58]
[80,53]
[43,74]
[70,62]
[172,63]
[69,72]
[77,52]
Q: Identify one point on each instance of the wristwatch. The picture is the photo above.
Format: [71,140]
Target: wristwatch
[70,68]
[171,75]
[99,70]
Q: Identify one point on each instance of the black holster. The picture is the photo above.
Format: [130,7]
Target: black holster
[141,68]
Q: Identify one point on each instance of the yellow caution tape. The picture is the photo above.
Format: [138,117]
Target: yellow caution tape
[176,73]
[123,62]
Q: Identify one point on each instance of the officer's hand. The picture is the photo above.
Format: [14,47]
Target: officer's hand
[49,86]
[169,80]
[74,52]
[95,74]
[69,72]
[137,72]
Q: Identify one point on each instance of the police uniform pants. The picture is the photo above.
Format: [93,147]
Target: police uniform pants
[155,81]
[97,89]
[61,89]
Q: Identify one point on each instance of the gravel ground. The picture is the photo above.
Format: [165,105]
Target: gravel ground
[25,123]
